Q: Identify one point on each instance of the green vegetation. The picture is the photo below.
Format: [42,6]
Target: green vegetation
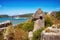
[58,15]
[37,34]
[48,21]
[21,30]
[27,26]
[15,34]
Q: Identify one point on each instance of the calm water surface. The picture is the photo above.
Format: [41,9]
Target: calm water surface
[13,20]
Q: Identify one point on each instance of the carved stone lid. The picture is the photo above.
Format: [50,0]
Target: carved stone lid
[38,13]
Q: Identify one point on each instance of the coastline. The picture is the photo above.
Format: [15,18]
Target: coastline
[13,20]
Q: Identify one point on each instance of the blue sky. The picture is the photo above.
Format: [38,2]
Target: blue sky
[17,7]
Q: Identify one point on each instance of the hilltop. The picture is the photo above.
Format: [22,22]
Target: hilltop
[3,16]
[24,15]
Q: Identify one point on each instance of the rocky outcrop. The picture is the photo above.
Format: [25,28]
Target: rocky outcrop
[51,33]
[39,22]
[5,24]
[38,13]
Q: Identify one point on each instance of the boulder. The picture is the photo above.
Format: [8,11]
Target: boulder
[5,24]
[51,33]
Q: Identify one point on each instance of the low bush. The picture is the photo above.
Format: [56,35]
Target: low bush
[27,26]
[37,34]
[20,34]
[48,21]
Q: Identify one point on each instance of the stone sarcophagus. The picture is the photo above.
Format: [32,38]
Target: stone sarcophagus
[39,18]
[51,33]
[39,22]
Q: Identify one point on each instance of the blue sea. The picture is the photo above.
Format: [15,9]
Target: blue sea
[13,20]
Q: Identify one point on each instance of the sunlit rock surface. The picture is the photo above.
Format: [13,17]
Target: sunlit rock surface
[38,13]
[39,18]
[51,33]
[39,22]
[4,24]
[30,35]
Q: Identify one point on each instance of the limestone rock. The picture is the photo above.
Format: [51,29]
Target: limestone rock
[5,24]
[38,13]
[30,35]
[39,22]
[51,33]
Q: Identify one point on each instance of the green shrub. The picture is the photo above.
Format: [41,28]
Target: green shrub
[28,26]
[37,34]
[48,21]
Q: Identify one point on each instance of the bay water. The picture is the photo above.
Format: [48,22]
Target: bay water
[14,20]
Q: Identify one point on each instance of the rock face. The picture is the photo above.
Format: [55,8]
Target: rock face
[51,33]
[38,13]
[38,19]
[39,22]
[5,24]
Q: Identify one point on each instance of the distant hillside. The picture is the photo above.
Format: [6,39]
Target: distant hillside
[3,16]
[24,15]
[27,15]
